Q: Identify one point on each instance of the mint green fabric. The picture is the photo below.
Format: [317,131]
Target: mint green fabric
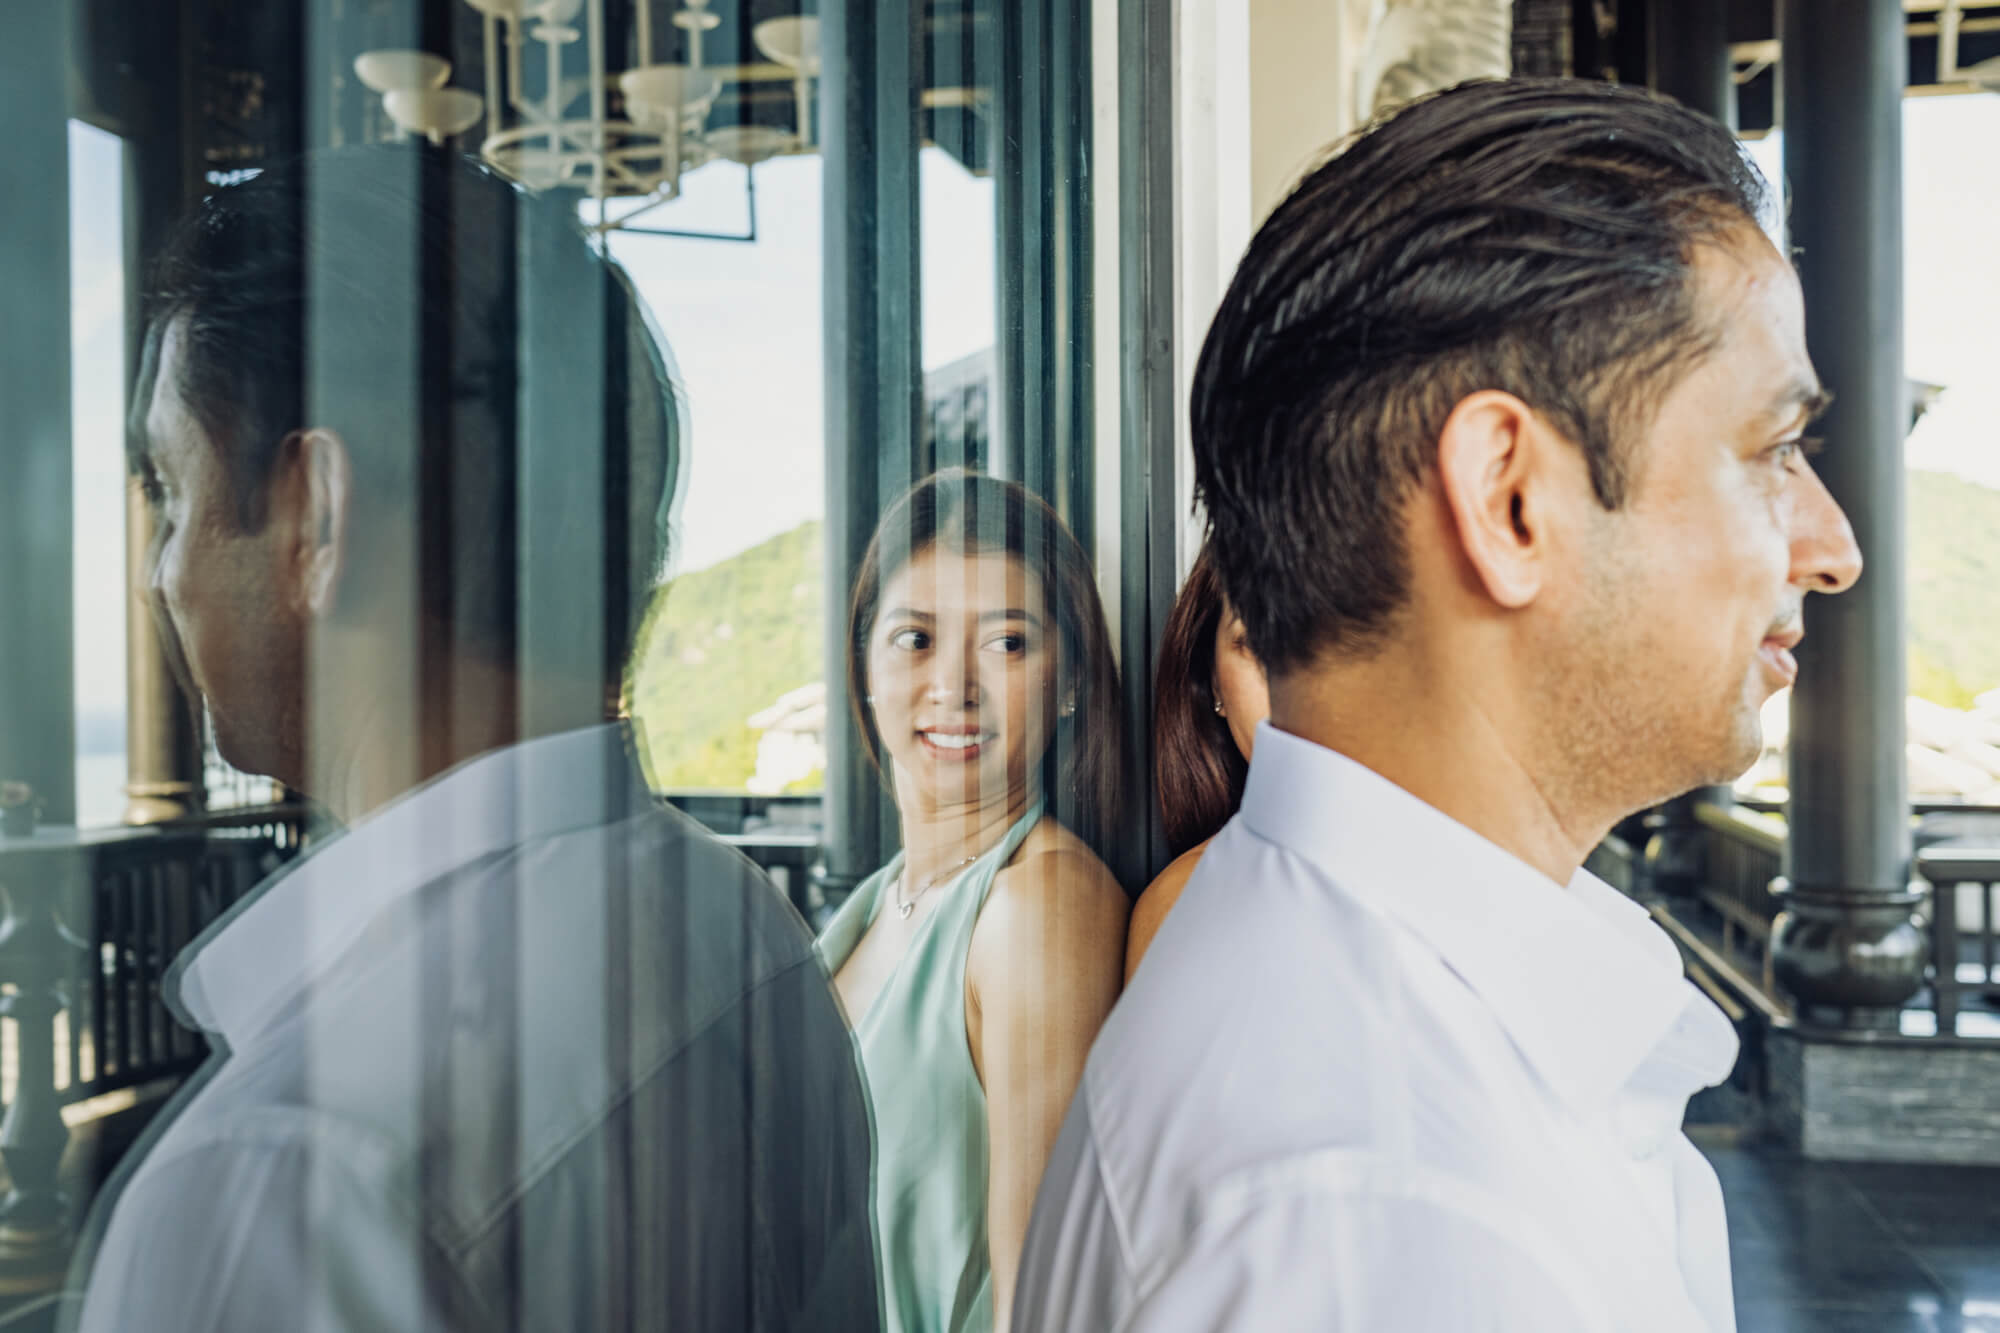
[928,1107]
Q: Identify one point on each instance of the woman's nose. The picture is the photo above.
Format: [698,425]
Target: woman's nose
[951,679]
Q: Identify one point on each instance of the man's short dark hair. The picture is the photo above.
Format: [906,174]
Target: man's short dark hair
[1532,236]
[471,347]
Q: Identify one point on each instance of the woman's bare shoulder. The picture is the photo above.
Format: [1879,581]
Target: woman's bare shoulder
[1054,861]
[1054,892]
[1150,912]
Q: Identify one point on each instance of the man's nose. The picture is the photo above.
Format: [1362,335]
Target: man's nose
[1825,557]
[153,587]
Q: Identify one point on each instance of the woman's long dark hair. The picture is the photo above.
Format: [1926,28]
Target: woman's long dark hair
[974,513]
[1196,766]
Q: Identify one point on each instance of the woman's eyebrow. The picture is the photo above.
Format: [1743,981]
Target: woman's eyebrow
[1013,613]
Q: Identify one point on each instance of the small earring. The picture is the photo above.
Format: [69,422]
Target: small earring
[1068,708]
[871,699]
[1218,707]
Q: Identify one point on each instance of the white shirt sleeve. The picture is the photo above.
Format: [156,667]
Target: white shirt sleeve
[1362,1262]
[1335,1243]
[276,1227]
[1074,1277]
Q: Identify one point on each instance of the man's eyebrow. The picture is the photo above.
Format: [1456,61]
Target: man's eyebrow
[1804,400]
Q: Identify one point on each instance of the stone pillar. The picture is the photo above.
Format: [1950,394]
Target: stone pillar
[1845,946]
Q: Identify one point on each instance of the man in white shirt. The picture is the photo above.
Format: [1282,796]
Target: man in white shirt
[520,1048]
[1498,432]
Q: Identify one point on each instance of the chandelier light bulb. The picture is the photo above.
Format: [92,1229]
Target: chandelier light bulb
[435,113]
[401,71]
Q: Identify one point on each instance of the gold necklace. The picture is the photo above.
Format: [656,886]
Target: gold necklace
[904,908]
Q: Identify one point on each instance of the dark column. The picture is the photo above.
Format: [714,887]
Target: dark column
[1687,58]
[1042,132]
[37,694]
[1845,946]
[1631,32]
[163,178]
[1148,513]
[871,72]
[1544,40]
[1687,50]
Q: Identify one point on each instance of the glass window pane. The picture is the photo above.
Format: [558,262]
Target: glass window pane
[97,420]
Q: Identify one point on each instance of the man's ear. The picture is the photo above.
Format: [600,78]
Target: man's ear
[311,495]
[1494,465]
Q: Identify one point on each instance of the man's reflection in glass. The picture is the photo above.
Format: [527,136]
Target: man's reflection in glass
[519,1048]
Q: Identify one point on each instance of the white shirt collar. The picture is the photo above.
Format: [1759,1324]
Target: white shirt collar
[1580,979]
[234,976]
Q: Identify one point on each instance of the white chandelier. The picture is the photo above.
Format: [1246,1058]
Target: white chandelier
[566,137]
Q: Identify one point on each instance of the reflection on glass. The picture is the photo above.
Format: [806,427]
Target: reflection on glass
[518,1047]
[978,964]
[737,635]
[97,453]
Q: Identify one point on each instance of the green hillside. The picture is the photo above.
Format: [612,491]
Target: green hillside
[1954,581]
[718,645]
[724,642]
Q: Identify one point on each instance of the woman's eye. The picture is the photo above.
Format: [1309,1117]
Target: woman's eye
[1009,643]
[909,640]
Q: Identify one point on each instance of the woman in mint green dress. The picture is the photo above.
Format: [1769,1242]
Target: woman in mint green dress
[978,964]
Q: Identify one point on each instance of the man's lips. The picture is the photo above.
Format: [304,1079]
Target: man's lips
[1776,652]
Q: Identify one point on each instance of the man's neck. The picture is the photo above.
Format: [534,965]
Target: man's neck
[1442,743]
[376,745]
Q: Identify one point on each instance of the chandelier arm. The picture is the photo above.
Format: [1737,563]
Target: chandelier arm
[516,77]
[643,209]
[554,95]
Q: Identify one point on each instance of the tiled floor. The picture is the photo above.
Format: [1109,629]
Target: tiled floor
[1839,1248]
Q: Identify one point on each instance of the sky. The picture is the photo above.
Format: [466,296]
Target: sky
[97,413]
[743,321]
[1951,277]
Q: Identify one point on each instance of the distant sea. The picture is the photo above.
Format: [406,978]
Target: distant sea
[100,788]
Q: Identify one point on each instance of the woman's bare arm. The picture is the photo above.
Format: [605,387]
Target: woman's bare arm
[1150,912]
[1044,970]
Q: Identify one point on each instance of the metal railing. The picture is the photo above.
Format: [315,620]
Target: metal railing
[1745,853]
[91,920]
[782,834]
[1962,969]
[89,923]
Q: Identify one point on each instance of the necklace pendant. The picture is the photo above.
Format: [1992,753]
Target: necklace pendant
[903,910]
